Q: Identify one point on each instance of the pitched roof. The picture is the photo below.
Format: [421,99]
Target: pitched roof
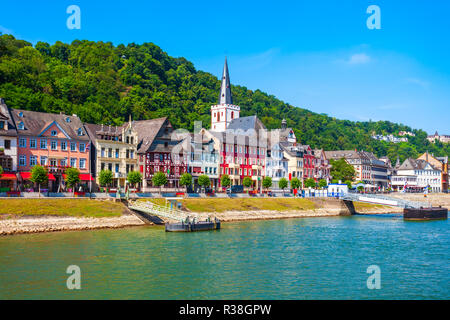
[10,130]
[246,124]
[225,88]
[35,122]
[413,164]
[147,130]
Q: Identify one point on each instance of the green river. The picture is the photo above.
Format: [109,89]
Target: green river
[309,258]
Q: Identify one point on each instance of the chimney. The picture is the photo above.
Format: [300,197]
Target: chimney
[284,124]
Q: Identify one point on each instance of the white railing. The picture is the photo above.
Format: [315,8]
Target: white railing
[384,200]
[157,210]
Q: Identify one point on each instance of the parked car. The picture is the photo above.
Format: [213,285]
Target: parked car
[235,189]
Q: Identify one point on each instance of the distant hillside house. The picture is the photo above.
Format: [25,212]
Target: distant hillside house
[438,137]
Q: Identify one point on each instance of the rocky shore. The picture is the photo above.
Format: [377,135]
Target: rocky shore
[11,224]
[34,224]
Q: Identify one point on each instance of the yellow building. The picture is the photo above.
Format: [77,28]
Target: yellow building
[114,149]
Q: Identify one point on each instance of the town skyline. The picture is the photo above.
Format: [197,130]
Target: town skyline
[364,75]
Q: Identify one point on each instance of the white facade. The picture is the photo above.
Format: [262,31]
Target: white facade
[9,146]
[221,116]
[276,165]
[422,178]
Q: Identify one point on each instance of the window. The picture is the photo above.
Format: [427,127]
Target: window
[22,142]
[82,163]
[73,162]
[33,161]
[103,153]
[131,154]
[63,162]
[73,146]
[109,153]
[21,126]
[54,144]
[43,144]
[2,125]
[82,147]
[67,119]
[53,163]
[117,153]
[22,160]
[54,133]
[80,131]
[43,161]
[63,145]
[117,168]
[33,143]
[21,114]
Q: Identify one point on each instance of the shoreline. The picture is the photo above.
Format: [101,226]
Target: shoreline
[38,224]
[25,224]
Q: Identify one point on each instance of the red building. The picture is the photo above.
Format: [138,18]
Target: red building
[159,150]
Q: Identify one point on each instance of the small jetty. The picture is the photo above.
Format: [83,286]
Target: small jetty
[419,214]
[188,221]
[193,225]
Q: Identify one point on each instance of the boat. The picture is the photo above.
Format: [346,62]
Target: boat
[433,213]
[191,226]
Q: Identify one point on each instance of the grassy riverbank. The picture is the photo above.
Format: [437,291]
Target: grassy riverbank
[218,205]
[60,207]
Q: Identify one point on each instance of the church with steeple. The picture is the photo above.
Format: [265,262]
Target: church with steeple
[225,111]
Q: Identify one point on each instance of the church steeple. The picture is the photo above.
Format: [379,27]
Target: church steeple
[225,89]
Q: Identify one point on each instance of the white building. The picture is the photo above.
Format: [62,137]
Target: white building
[276,165]
[8,140]
[416,175]
[224,112]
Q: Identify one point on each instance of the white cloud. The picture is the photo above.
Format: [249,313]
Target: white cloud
[419,82]
[359,58]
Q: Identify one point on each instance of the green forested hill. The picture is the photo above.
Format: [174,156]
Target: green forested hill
[103,83]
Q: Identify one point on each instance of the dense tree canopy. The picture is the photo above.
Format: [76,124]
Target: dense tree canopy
[103,83]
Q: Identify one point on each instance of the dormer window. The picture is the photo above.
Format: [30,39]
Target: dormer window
[2,125]
[80,131]
[67,119]
[53,133]
[21,126]
[21,114]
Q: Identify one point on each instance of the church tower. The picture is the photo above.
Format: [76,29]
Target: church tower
[225,111]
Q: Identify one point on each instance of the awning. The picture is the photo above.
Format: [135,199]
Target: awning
[86,177]
[27,176]
[8,176]
[83,177]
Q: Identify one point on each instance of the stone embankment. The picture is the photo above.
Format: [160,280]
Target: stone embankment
[34,224]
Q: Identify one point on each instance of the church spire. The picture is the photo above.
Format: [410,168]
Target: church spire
[225,89]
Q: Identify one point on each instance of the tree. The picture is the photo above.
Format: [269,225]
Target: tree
[341,170]
[283,183]
[247,182]
[360,188]
[39,175]
[159,180]
[1,171]
[322,183]
[310,183]
[296,183]
[225,180]
[185,180]
[267,182]
[204,181]
[348,183]
[105,178]
[134,177]
[72,178]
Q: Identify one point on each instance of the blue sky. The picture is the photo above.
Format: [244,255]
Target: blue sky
[314,54]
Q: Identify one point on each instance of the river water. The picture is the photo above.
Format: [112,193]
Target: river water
[309,258]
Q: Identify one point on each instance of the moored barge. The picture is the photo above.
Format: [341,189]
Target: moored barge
[433,213]
[191,226]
